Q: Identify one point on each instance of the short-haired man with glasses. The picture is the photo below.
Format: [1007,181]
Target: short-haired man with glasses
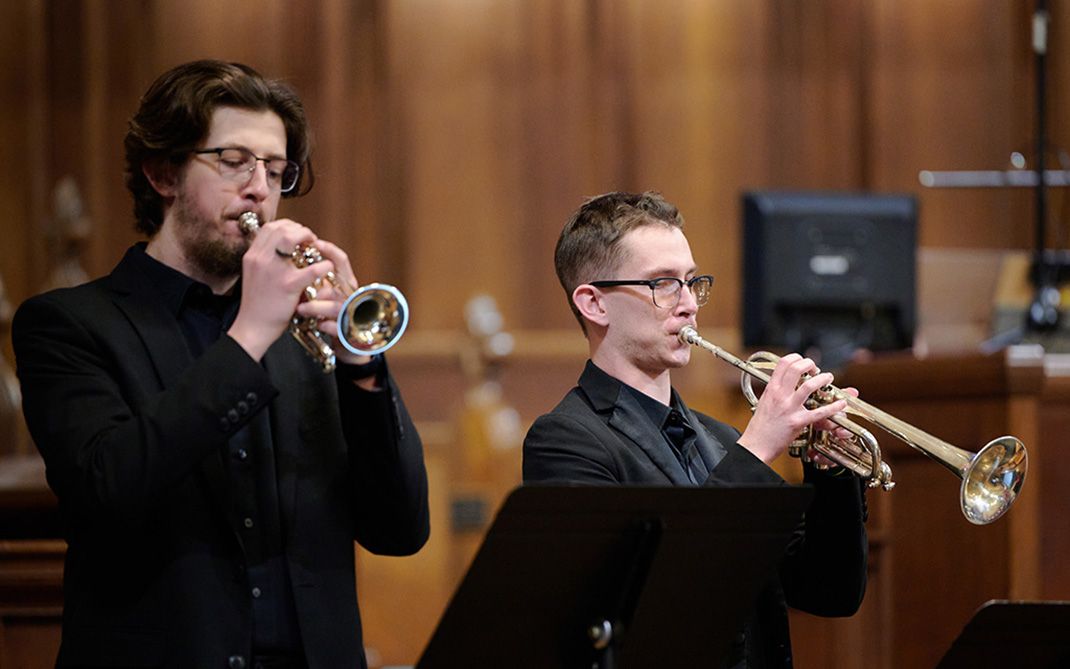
[632,284]
[212,478]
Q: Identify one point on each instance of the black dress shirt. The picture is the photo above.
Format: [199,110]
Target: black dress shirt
[250,457]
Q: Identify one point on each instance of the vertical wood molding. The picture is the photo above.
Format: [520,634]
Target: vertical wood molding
[1026,526]
[96,149]
[38,128]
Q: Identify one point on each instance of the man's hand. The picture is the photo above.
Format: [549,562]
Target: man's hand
[272,285]
[781,414]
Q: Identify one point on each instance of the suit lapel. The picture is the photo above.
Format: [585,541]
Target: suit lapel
[709,447]
[624,415]
[169,356]
[154,324]
[631,421]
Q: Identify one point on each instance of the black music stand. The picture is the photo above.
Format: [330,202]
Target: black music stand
[616,577]
[1023,635]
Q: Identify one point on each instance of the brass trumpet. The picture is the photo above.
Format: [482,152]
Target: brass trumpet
[371,320]
[991,478]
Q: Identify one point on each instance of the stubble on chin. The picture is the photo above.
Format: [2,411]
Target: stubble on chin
[205,247]
[215,258]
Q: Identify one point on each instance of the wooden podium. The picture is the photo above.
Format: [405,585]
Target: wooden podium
[31,565]
[930,568]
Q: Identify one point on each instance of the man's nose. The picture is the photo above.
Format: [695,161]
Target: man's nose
[258,185]
[688,303]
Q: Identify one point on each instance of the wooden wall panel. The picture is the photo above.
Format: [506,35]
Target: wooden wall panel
[22,123]
[948,94]
[454,140]
[1054,546]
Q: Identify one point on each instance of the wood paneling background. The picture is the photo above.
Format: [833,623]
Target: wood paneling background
[454,137]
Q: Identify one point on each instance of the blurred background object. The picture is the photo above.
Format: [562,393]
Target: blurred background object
[66,236]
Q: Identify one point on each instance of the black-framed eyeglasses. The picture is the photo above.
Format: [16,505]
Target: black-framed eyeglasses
[666,290]
[237,164]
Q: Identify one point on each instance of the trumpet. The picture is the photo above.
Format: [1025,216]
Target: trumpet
[371,320]
[991,478]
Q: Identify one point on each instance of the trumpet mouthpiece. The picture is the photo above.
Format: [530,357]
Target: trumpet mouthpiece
[688,334]
[248,222]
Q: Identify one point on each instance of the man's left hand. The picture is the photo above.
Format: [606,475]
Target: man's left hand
[329,299]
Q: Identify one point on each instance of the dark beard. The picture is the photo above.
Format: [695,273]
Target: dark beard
[210,256]
[215,259]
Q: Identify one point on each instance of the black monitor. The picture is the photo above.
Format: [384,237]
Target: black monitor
[828,273]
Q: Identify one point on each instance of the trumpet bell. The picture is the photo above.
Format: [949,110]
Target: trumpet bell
[992,480]
[373,319]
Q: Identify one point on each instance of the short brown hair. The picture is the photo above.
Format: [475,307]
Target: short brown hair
[589,246]
[175,115]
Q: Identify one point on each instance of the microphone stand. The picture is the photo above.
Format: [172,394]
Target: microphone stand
[1043,314]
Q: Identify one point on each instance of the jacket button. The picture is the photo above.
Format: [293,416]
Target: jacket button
[242,454]
[232,416]
[236,662]
[251,398]
[243,408]
[224,424]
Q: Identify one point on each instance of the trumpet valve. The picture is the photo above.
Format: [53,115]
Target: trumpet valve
[306,255]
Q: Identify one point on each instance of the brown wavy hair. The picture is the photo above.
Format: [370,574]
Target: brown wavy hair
[175,114]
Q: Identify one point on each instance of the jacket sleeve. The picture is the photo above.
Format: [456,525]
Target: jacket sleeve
[389,481]
[825,573]
[825,569]
[114,445]
[738,466]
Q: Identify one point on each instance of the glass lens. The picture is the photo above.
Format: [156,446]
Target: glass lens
[666,292]
[237,164]
[700,288]
[288,178]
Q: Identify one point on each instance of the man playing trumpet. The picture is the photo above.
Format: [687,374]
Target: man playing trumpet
[211,477]
[632,284]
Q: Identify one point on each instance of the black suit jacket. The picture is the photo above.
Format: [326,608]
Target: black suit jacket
[600,435]
[133,432]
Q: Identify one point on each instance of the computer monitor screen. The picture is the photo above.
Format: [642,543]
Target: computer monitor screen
[828,273]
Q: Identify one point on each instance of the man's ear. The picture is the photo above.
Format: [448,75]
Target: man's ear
[590,303]
[162,175]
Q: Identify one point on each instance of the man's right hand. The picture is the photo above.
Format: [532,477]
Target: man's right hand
[781,413]
[272,285]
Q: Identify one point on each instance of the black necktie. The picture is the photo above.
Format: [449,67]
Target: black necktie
[683,438]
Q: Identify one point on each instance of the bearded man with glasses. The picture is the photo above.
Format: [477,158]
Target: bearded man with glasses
[212,478]
[632,283]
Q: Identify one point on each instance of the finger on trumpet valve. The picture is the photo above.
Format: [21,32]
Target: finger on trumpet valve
[801,444]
